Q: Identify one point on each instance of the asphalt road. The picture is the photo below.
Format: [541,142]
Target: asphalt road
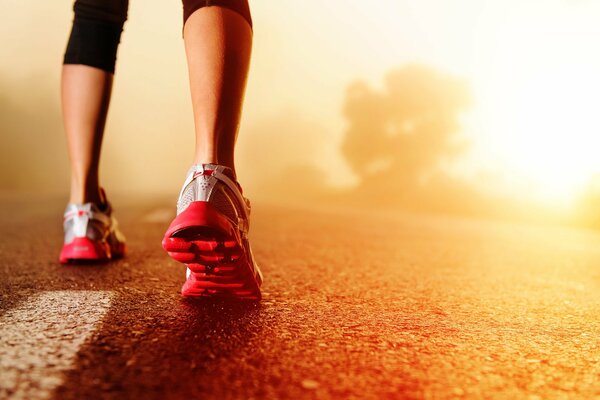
[355,306]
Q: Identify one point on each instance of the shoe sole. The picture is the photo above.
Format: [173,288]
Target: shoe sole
[84,250]
[209,245]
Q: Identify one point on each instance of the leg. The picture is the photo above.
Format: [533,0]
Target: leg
[218,44]
[210,232]
[85,98]
[91,232]
[86,86]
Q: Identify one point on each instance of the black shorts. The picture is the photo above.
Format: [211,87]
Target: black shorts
[98,24]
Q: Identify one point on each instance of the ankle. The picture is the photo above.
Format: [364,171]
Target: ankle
[79,198]
[85,187]
[86,194]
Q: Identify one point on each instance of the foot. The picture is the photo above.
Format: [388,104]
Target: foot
[210,236]
[91,234]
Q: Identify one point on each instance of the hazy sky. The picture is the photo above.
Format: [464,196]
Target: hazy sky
[531,65]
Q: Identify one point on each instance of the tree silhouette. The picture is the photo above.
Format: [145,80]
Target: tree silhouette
[406,130]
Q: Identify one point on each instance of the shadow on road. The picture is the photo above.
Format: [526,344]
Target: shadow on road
[161,347]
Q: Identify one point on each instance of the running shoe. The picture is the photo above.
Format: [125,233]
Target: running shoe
[91,234]
[210,236]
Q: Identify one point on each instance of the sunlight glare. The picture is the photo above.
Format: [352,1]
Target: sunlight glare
[537,93]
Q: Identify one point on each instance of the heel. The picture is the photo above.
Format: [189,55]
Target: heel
[84,249]
[201,215]
[210,246]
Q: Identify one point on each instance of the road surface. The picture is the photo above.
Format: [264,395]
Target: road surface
[363,306]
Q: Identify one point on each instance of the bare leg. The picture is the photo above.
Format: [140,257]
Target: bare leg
[85,97]
[218,44]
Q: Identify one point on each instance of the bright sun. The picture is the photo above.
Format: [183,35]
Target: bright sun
[537,89]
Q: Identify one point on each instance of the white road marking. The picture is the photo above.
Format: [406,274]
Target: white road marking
[40,338]
[160,215]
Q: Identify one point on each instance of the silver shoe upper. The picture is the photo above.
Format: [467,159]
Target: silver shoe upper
[87,220]
[212,183]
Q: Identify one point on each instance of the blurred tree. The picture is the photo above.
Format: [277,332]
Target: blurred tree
[408,129]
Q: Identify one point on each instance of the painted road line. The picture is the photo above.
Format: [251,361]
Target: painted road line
[40,338]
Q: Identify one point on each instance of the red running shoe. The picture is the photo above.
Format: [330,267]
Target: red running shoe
[210,236]
[91,234]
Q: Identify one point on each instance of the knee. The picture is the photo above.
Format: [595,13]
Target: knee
[96,33]
[239,6]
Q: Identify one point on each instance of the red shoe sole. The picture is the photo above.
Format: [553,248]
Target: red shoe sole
[209,245]
[86,250]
